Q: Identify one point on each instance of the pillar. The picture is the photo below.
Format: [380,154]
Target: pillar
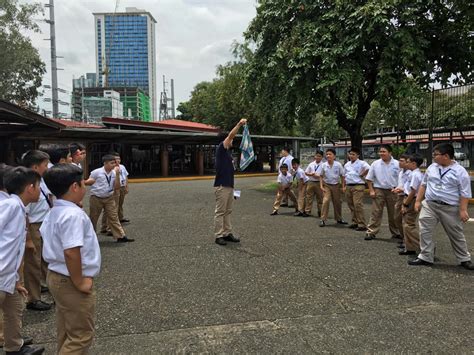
[200,162]
[164,160]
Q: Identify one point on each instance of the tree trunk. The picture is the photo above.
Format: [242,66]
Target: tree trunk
[356,138]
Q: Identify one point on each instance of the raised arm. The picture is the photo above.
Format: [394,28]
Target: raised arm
[233,133]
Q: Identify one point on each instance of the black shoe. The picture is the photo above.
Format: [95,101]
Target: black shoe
[284,205]
[353,226]
[221,241]
[27,350]
[305,214]
[124,239]
[322,224]
[341,221]
[401,246]
[103,232]
[467,265]
[274,213]
[44,289]
[407,252]
[38,306]
[369,237]
[125,220]
[231,238]
[396,236]
[419,262]
[361,229]
[26,341]
[299,214]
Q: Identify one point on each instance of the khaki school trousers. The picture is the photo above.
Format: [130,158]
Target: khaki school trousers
[332,193]
[398,214]
[12,307]
[411,235]
[383,197]
[313,189]
[75,312]
[105,225]
[431,214]
[281,194]
[97,204]
[34,267]
[224,203]
[301,198]
[355,201]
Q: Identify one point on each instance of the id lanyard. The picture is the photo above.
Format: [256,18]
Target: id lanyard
[441,176]
[50,204]
[109,180]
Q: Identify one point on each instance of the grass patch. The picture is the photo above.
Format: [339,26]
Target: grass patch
[270,186]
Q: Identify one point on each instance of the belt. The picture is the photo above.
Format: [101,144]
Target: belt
[440,203]
[332,184]
[355,184]
[380,188]
[313,181]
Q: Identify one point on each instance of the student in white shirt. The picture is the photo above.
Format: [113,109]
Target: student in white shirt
[285,180]
[332,173]
[404,176]
[72,251]
[286,158]
[313,188]
[78,153]
[443,198]
[302,180]
[103,183]
[35,268]
[23,186]
[382,179]
[411,235]
[355,171]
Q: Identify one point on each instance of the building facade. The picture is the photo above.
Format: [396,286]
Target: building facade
[126,52]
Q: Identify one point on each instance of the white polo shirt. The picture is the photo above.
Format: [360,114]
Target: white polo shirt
[286,160]
[314,167]
[384,175]
[404,178]
[285,179]
[68,226]
[354,170]
[37,211]
[12,241]
[332,174]
[299,173]
[414,182]
[3,195]
[104,183]
[447,184]
[123,175]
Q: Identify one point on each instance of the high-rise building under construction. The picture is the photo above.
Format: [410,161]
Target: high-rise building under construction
[126,52]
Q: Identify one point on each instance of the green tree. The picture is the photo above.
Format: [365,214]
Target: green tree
[337,57]
[21,68]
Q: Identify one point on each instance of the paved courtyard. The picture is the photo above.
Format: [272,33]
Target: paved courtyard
[288,287]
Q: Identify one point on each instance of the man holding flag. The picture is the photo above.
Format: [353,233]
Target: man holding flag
[224,184]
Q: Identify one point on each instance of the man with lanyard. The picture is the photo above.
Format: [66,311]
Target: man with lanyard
[443,198]
[224,188]
[286,158]
[313,187]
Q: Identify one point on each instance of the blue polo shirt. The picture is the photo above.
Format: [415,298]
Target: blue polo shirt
[224,167]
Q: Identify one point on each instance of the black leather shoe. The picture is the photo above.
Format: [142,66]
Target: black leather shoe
[341,221]
[231,238]
[27,350]
[274,213]
[125,220]
[299,214]
[221,241]
[124,239]
[305,214]
[322,224]
[38,306]
[353,226]
[361,229]
[467,265]
[401,246]
[44,289]
[26,341]
[369,237]
[419,262]
[407,252]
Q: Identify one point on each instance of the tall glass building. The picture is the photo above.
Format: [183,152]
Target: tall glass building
[126,51]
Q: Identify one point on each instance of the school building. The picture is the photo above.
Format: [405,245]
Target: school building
[148,149]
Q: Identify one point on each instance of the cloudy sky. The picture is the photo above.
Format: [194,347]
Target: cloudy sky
[192,37]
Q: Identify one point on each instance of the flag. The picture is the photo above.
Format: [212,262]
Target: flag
[247,154]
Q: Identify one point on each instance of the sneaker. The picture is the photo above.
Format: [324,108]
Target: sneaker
[305,214]
[353,226]
[221,241]
[341,221]
[299,214]
[124,239]
[38,306]
[361,229]
[419,262]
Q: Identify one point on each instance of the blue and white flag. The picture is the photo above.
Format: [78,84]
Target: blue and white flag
[247,154]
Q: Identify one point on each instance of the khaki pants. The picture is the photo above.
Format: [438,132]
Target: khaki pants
[97,204]
[431,214]
[313,189]
[383,197]
[398,214]
[411,235]
[332,193]
[355,201]
[224,202]
[12,307]
[105,225]
[301,188]
[34,264]
[121,200]
[281,194]
[75,312]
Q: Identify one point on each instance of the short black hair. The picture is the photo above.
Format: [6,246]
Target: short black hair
[284,166]
[60,178]
[33,157]
[355,150]
[17,179]
[74,147]
[295,161]
[445,148]
[3,169]
[417,159]
[387,147]
[404,156]
[56,152]
[333,151]
[319,152]
[286,149]
[108,157]
[115,154]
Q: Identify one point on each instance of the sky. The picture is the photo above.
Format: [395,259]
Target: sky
[192,38]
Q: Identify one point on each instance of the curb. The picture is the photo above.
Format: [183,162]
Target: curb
[193,178]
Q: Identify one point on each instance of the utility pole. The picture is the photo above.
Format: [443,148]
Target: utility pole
[173,112]
[54,67]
